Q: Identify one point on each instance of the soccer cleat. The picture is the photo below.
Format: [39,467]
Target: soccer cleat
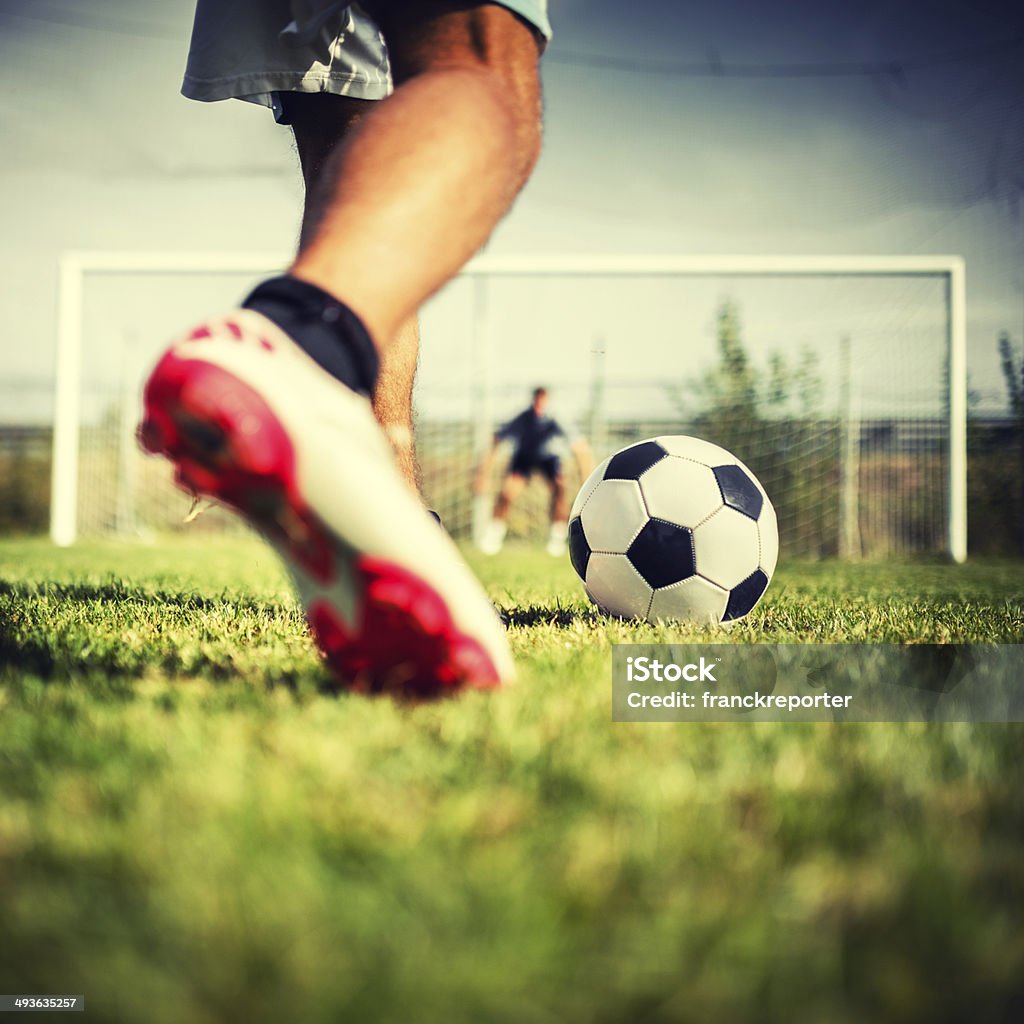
[247,418]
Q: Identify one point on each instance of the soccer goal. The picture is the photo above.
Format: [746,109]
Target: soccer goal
[840,380]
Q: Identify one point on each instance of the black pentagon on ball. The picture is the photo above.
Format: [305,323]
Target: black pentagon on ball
[579,549]
[630,463]
[745,595]
[663,553]
[738,490]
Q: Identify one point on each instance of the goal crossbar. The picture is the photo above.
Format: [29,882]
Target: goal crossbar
[76,265]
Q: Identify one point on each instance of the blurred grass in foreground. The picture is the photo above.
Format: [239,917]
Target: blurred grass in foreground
[194,828]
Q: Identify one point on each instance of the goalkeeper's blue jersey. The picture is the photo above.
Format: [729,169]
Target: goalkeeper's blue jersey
[534,437]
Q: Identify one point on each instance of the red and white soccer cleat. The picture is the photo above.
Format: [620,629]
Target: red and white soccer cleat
[249,419]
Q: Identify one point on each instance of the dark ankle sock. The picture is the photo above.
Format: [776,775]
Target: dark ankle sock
[324,328]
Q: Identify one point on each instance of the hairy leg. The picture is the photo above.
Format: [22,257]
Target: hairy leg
[422,177]
[413,189]
[320,123]
[392,398]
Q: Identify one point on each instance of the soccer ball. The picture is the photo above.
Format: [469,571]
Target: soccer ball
[674,528]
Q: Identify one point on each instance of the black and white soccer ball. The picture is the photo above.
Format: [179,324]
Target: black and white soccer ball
[674,528]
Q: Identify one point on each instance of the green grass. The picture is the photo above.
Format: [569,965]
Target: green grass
[194,828]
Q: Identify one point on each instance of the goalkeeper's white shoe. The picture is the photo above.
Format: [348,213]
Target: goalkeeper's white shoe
[250,420]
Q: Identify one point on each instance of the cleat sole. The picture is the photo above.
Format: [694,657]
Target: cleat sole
[227,443]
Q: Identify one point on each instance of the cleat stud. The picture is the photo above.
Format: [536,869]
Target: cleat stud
[208,438]
[151,437]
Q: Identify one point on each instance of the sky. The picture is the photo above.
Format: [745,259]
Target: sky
[693,128]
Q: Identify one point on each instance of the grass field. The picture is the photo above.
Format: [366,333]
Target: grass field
[194,828]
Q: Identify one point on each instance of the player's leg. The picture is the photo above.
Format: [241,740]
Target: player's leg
[558,503]
[438,47]
[320,122]
[511,487]
[392,398]
[423,178]
[559,529]
[242,404]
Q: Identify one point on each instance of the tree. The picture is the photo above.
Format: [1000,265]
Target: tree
[770,417]
[1012,364]
[1013,373]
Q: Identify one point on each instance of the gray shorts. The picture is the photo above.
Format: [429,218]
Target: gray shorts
[252,49]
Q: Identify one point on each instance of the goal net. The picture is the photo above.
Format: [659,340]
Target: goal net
[840,381]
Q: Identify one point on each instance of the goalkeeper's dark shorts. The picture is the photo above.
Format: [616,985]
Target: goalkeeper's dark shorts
[549,466]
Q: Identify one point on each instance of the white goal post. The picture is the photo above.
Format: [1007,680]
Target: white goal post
[76,265]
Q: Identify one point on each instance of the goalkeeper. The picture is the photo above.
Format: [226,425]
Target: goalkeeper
[539,444]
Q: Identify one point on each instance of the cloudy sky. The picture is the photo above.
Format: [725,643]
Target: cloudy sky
[701,127]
